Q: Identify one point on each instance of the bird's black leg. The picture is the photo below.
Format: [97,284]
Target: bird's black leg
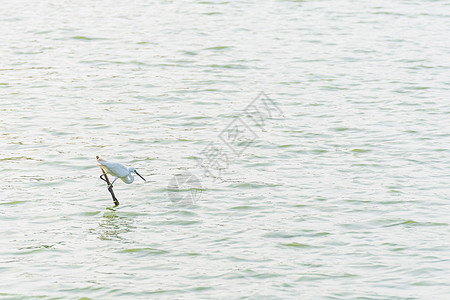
[102,178]
[111,185]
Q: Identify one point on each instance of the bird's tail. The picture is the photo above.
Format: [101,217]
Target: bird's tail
[99,160]
[101,164]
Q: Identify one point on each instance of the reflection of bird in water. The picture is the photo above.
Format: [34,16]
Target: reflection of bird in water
[113,225]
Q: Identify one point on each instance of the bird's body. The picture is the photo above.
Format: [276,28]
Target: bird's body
[118,170]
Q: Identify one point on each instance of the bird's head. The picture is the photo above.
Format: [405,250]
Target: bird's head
[133,170]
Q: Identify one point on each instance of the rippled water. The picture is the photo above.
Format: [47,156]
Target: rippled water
[343,196]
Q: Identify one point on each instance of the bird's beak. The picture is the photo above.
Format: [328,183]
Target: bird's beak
[139,175]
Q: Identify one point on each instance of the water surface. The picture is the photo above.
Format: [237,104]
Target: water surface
[344,196]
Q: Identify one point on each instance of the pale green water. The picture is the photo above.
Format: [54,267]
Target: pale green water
[346,197]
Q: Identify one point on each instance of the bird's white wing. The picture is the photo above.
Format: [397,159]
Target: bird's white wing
[114,168]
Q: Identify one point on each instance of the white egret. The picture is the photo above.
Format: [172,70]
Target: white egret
[117,170]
